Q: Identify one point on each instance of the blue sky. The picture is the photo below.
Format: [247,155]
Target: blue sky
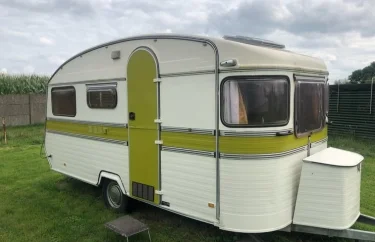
[36,36]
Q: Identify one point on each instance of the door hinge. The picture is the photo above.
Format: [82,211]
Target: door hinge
[158,142]
[158,121]
[157,80]
[158,192]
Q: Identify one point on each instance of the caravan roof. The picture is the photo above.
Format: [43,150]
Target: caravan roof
[249,53]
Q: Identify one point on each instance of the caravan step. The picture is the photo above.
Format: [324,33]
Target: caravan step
[127,226]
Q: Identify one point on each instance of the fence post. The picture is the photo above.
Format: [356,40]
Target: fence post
[5,131]
[372,84]
[338,97]
[29,108]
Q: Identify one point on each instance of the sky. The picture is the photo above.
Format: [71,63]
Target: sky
[36,36]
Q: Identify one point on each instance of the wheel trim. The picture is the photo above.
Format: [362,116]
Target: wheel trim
[114,195]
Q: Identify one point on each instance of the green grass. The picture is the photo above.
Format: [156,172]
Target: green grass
[22,84]
[37,204]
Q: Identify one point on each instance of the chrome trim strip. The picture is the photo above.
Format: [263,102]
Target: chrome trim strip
[89,137]
[254,133]
[227,132]
[188,73]
[123,125]
[279,68]
[101,85]
[159,137]
[188,151]
[308,77]
[96,81]
[187,130]
[262,156]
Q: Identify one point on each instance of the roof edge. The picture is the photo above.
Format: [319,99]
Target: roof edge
[138,37]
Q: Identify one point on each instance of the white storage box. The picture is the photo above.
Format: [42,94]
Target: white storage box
[329,190]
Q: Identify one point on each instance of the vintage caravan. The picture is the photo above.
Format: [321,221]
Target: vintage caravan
[230,131]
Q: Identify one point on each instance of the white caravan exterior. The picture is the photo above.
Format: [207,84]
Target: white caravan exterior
[210,128]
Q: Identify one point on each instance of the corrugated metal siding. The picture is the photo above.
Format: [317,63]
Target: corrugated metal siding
[351,111]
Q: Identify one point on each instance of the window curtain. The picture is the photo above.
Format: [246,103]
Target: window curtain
[234,107]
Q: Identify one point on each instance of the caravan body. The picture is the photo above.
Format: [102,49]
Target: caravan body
[215,129]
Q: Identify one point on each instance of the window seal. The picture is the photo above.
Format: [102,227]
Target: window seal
[75,96]
[254,77]
[110,88]
[297,81]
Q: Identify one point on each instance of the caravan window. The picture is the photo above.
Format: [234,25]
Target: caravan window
[102,96]
[255,101]
[63,101]
[311,105]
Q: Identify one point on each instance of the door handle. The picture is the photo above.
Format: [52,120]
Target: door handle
[131,116]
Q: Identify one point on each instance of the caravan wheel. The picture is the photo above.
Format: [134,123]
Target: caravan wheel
[113,196]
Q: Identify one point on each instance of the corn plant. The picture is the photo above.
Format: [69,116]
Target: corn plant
[22,84]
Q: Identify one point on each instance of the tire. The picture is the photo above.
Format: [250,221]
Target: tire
[114,199]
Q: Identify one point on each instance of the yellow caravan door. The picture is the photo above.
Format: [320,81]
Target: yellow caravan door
[143,131]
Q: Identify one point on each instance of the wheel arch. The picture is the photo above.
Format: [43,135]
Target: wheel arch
[111,176]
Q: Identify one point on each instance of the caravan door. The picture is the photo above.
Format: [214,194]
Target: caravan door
[143,131]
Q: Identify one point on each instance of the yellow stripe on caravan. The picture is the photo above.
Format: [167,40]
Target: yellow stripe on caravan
[238,145]
[265,145]
[319,135]
[89,129]
[193,141]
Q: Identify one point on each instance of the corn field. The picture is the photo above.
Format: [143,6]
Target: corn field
[22,84]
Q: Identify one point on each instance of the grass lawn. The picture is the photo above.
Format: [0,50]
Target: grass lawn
[37,204]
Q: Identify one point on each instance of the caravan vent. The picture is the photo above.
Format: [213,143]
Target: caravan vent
[254,41]
[143,191]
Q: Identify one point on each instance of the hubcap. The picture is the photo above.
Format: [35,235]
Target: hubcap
[114,194]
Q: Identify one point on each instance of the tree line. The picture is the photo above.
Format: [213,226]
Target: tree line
[364,75]
[23,84]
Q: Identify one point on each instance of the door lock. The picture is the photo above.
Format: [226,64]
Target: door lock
[131,116]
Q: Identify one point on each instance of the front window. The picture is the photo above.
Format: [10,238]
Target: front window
[63,101]
[255,101]
[310,106]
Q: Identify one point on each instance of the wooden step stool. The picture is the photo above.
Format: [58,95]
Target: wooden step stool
[127,226]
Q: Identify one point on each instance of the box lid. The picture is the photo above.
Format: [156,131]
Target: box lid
[335,157]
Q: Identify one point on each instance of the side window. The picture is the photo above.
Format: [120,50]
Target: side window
[63,101]
[255,101]
[103,96]
[311,106]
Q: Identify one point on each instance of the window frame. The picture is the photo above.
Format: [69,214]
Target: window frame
[309,79]
[254,78]
[75,97]
[101,87]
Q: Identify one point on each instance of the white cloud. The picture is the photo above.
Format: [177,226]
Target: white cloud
[56,60]
[339,31]
[46,41]
[16,33]
[29,69]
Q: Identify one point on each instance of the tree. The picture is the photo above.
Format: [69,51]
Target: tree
[356,76]
[364,75]
[367,73]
